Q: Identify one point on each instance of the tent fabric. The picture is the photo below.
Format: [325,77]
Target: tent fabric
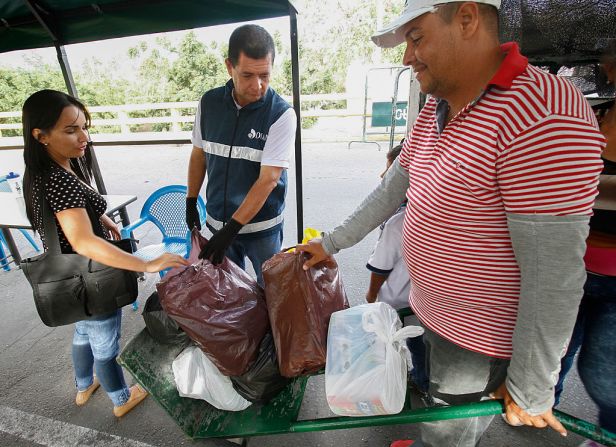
[550,32]
[559,32]
[77,21]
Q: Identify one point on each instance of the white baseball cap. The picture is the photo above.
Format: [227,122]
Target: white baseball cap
[392,35]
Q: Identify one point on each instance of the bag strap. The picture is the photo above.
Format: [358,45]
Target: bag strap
[51,231]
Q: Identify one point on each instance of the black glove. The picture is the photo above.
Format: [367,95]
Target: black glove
[192,213]
[215,249]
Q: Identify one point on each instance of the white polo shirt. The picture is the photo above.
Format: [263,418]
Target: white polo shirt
[387,259]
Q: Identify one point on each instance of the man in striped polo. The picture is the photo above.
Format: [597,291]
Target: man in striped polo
[500,171]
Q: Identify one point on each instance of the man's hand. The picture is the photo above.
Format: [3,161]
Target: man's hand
[515,416]
[192,214]
[215,249]
[315,250]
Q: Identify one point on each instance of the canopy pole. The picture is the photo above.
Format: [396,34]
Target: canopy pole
[67,73]
[298,133]
[49,24]
[72,90]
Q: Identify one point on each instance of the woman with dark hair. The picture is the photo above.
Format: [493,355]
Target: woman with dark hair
[58,171]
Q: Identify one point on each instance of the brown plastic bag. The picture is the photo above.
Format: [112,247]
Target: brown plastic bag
[221,308]
[300,303]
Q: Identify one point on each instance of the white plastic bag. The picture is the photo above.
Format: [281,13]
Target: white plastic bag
[366,367]
[197,377]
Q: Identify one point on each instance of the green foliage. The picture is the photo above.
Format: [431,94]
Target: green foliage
[332,36]
[17,84]
[152,83]
[281,78]
[98,84]
[197,69]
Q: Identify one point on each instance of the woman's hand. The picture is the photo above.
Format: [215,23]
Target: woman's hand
[165,261]
[111,227]
[114,232]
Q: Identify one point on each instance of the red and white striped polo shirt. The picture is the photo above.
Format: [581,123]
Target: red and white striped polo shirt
[529,145]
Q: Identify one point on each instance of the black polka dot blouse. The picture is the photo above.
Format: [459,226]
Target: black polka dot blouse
[64,191]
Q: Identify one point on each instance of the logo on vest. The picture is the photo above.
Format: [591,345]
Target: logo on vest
[258,135]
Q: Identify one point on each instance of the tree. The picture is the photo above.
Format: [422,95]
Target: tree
[331,38]
[100,84]
[19,83]
[198,68]
[152,82]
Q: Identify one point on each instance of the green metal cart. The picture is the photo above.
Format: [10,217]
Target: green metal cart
[150,364]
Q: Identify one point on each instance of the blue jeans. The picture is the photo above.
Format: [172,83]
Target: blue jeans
[96,346]
[257,250]
[595,332]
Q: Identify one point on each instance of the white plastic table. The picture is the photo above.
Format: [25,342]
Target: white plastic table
[13,215]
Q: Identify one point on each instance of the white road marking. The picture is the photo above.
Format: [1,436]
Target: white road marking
[52,433]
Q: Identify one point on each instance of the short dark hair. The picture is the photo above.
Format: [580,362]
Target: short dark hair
[489,14]
[252,40]
[394,152]
[42,110]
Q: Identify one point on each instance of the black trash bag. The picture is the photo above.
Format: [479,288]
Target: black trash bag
[262,381]
[160,326]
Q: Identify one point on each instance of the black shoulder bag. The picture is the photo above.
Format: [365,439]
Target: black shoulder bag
[69,287]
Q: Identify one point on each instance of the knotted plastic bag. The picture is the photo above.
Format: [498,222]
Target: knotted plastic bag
[198,378]
[300,303]
[221,308]
[367,361]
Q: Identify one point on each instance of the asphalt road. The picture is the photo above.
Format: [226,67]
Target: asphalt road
[36,385]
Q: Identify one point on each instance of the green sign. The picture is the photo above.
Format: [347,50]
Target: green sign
[381,114]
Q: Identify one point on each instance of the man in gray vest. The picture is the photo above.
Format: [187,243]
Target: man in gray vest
[242,140]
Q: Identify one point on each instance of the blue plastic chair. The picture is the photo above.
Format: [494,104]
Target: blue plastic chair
[166,208]
[4,258]
[4,262]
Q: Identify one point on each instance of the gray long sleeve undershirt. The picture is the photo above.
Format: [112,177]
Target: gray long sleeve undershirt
[549,251]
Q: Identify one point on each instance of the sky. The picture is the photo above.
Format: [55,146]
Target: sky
[117,49]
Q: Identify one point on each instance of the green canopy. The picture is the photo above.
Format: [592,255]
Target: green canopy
[26,24]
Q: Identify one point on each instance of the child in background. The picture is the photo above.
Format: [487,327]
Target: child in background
[390,282]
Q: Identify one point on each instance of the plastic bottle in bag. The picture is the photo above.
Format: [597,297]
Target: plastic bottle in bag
[367,361]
